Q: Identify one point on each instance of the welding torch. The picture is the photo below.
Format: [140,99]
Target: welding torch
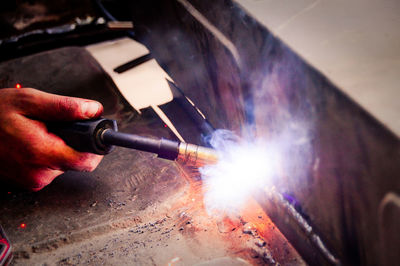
[100,136]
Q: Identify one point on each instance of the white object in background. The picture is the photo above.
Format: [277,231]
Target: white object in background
[142,86]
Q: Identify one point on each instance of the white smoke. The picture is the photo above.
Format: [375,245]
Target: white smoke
[245,166]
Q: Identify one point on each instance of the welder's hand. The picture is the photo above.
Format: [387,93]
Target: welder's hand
[30,156]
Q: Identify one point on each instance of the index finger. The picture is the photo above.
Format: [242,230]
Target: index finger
[51,107]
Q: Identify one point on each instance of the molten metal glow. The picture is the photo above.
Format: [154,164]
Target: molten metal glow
[174,260]
[243,167]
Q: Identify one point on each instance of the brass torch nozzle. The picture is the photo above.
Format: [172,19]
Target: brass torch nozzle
[191,154]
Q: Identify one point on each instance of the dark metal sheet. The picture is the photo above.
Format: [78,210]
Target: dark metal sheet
[126,180]
[352,159]
[134,208]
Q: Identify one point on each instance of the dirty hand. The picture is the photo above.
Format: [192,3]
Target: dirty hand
[30,156]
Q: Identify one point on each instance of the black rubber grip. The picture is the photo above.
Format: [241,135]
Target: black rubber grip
[84,135]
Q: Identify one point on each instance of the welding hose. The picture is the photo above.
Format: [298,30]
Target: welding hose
[110,17]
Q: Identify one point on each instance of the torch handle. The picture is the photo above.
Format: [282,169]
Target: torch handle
[84,135]
[101,135]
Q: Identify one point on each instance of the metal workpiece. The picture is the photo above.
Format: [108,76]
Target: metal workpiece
[192,111]
[196,155]
[118,213]
[298,230]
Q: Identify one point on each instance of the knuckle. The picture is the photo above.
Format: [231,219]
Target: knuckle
[68,105]
[34,153]
[26,94]
[39,178]
[90,168]
[88,162]
[36,187]
[20,98]
[24,99]
[35,182]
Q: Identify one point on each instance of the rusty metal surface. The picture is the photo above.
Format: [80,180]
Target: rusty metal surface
[284,212]
[134,208]
[248,77]
[119,186]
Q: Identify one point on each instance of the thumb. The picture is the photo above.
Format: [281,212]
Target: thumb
[46,106]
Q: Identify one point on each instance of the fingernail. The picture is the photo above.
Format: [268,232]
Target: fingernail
[90,109]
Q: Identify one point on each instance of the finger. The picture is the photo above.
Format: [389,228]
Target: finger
[83,162]
[61,156]
[49,107]
[50,150]
[37,179]
[32,177]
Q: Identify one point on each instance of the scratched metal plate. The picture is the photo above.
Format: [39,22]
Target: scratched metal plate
[124,182]
[134,208]
[239,74]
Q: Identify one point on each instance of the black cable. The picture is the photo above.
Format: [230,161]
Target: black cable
[110,17]
[103,10]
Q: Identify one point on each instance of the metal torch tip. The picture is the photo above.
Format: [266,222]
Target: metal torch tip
[195,155]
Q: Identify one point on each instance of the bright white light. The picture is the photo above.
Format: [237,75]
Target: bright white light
[247,165]
[243,167]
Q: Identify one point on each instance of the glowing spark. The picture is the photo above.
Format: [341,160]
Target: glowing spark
[247,165]
[23,226]
[176,259]
[18,86]
[243,168]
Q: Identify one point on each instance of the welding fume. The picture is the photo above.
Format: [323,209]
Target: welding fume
[190,132]
[231,171]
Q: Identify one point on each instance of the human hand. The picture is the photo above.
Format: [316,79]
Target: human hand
[30,156]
